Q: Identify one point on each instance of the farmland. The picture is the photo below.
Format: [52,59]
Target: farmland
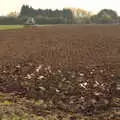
[9,27]
[72,69]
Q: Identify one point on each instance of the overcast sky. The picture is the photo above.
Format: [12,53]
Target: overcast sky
[94,6]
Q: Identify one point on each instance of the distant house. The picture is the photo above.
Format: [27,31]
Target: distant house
[30,21]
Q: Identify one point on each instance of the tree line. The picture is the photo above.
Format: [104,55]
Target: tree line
[65,16]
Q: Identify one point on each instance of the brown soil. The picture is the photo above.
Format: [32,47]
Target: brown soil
[66,45]
[72,68]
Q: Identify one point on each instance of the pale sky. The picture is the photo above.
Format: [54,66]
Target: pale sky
[94,6]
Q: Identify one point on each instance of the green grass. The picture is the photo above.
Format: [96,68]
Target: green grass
[8,27]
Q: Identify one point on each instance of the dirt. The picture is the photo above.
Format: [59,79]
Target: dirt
[65,45]
[74,69]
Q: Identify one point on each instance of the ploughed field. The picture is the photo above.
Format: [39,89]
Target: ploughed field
[67,45]
[70,70]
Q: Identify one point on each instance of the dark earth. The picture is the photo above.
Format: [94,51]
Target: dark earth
[60,72]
